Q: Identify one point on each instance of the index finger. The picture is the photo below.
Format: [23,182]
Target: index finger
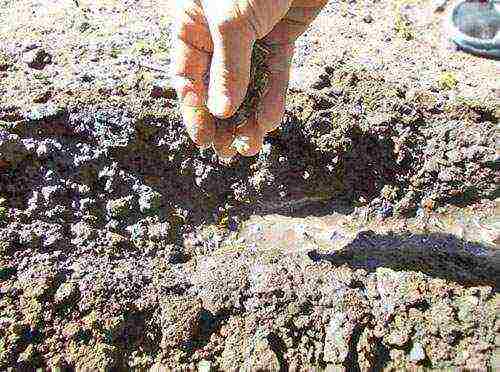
[192,56]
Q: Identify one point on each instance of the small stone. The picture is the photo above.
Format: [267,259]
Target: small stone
[149,201]
[338,336]
[42,96]
[439,5]
[84,26]
[233,223]
[87,77]
[82,233]
[27,355]
[158,231]
[44,112]
[94,56]
[50,192]
[59,211]
[29,238]
[263,358]
[119,208]
[322,82]
[378,119]
[37,58]
[86,204]
[180,322]
[162,88]
[5,61]
[66,292]
[428,204]
[30,45]
[368,18]
[114,239]
[385,210]
[386,38]
[335,368]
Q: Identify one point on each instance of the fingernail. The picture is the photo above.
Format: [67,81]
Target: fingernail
[192,99]
[220,106]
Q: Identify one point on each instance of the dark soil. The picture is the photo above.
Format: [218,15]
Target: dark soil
[102,201]
[122,246]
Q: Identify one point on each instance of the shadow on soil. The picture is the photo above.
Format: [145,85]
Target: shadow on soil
[437,255]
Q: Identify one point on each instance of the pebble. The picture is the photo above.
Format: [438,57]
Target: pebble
[263,357]
[87,77]
[368,18]
[204,366]
[439,5]
[30,45]
[162,88]
[149,201]
[338,335]
[65,293]
[37,58]
[322,82]
[94,56]
[43,112]
[42,96]
[233,223]
[5,61]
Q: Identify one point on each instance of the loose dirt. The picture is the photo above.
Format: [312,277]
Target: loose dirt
[363,236]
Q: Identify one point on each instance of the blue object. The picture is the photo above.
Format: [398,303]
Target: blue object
[386,210]
[474,26]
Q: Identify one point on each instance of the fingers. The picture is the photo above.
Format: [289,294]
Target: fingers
[272,106]
[192,50]
[292,25]
[206,46]
[234,30]
[282,39]
[230,67]
[200,125]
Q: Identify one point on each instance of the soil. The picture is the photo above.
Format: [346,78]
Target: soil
[364,236]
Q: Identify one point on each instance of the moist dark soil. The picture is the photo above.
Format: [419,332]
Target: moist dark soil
[123,246]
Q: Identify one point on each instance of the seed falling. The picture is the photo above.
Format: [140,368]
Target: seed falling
[257,89]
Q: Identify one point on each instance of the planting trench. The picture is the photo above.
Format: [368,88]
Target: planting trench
[122,245]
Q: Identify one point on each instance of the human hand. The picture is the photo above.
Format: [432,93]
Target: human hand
[212,56]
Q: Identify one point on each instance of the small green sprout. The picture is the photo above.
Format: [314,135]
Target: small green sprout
[448,80]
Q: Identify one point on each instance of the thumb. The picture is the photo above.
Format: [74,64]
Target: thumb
[230,67]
